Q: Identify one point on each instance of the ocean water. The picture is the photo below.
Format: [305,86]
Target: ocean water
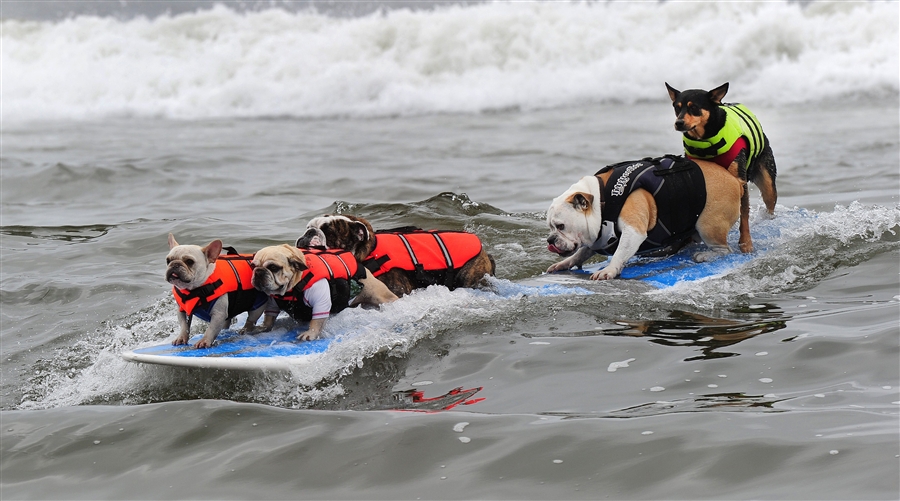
[779,379]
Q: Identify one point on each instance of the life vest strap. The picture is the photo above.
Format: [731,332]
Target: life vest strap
[303,281]
[202,293]
[294,294]
[376,263]
[675,165]
[710,151]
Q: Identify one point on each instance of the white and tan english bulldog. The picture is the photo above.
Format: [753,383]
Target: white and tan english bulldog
[633,207]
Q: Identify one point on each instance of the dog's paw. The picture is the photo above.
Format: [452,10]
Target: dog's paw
[746,247]
[203,343]
[180,340]
[706,256]
[308,336]
[253,329]
[605,274]
[560,266]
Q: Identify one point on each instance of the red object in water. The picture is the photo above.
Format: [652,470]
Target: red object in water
[417,402]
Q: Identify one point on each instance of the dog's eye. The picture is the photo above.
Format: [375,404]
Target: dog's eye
[168,260]
[561,227]
[274,268]
[189,262]
[694,110]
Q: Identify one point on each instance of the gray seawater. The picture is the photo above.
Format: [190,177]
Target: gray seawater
[777,380]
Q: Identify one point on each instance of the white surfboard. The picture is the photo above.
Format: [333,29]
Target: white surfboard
[277,350]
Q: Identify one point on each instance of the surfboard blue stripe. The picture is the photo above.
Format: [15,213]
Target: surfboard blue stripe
[230,344]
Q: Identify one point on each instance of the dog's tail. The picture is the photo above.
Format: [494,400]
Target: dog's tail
[762,173]
[765,160]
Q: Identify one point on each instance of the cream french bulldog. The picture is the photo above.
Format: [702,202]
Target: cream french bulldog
[214,288]
[310,285]
[652,206]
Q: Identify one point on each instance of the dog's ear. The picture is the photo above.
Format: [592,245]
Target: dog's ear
[673,92]
[172,242]
[296,261]
[718,93]
[213,250]
[361,232]
[582,201]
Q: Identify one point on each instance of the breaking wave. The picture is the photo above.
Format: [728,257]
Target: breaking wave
[458,59]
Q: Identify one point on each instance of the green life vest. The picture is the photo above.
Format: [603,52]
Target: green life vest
[739,121]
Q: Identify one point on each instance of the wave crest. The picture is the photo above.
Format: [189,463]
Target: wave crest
[495,56]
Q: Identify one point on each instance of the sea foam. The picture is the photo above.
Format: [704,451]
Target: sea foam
[461,59]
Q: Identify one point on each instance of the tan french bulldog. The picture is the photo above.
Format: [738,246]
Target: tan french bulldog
[285,273]
[215,288]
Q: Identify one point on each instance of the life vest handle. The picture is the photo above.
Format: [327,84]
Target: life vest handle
[447,259]
[420,269]
[376,263]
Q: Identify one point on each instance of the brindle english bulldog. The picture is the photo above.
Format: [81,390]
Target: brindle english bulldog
[406,258]
[651,206]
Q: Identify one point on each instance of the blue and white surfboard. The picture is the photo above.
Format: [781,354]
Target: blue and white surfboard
[277,350]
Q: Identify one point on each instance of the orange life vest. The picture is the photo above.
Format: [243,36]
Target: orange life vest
[328,265]
[232,274]
[432,254]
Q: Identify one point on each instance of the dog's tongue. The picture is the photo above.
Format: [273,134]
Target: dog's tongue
[552,248]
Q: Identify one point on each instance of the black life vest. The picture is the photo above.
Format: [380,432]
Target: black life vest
[435,256]
[679,190]
[336,266]
[232,276]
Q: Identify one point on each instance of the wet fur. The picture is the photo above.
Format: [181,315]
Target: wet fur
[279,268]
[188,267]
[356,235]
[575,217]
[698,114]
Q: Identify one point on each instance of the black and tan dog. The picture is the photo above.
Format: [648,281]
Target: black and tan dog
[731,136]
[650,206]
[405,258]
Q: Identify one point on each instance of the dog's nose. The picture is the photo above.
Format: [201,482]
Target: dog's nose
[679,124]
[551,239]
